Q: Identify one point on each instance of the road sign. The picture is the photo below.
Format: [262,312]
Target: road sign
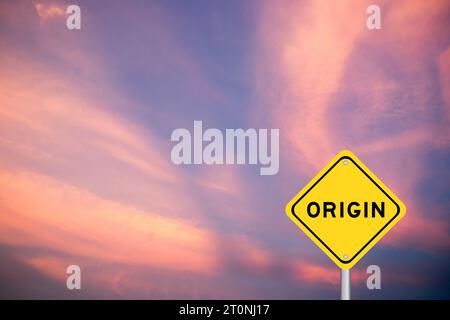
[345,209]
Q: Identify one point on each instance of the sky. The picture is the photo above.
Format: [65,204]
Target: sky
[85,123]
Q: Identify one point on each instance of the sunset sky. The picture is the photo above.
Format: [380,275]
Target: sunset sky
[86,118]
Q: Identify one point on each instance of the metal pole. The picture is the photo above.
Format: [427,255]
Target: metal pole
[345,284]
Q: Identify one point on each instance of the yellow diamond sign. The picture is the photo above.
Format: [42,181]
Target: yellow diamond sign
[345,209]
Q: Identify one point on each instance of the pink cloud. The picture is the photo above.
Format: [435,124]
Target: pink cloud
[78,177]
[408,139]
[71,220]
[105,165]
[312,273]
[316,53]
[59,123]
[51,266]
[444,67]
[420,233]
[100,163]
[307,57]
[48,12]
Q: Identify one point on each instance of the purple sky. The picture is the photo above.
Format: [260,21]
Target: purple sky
[85,124]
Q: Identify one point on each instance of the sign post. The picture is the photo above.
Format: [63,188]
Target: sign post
[345,284]
[345,210]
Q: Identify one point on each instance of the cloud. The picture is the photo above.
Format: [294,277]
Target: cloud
[307,56]
[71,220]
[106,184]
[61,127]
[331,84]
[311,273]
[49,12]
[444,68]
[420,233]
[85,171]
[80,179]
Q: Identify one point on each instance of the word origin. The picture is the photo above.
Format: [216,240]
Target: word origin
[328,209]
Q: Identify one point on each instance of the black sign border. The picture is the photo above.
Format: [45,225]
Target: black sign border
[315,235]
